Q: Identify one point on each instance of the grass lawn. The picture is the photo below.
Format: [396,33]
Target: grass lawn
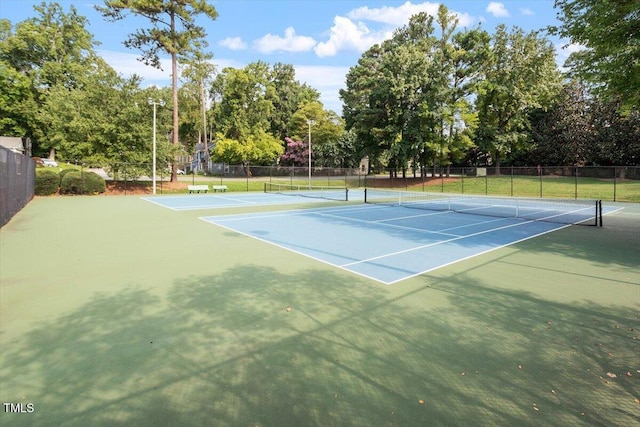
[547,187]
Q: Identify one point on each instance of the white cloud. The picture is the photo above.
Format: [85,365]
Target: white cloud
[526,11]
[498,10]
[127,64]
[398,16]
[563,51]
[351,33]
[328,80]
[233,43]
[347,35]
[289,43]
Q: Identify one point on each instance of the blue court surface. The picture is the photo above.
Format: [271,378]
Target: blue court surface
[186,202]
[384,243]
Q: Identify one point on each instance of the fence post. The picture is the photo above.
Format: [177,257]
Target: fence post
[540,174]
[576,183]
[615,178]
[511,180]
[486,182]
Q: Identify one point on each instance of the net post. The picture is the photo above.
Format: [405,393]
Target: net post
[365,195]
[600,211]
[346,194]
[265,187]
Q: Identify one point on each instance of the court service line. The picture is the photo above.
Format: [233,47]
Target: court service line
[446,241]
[437,267]
[403,227]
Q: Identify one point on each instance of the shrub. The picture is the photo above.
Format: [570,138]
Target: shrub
[77,182]
[66,171]
[47,182]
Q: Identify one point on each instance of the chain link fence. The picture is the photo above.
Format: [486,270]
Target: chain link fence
[619,183]
[17,183]
[128,177]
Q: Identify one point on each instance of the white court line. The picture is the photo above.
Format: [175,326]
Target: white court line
[294,251]
[444,241]
[474,255]
[402,227]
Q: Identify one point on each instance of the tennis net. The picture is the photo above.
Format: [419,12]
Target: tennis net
[561,211]
[317,192]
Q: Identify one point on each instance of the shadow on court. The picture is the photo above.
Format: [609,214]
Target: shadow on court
[224,350]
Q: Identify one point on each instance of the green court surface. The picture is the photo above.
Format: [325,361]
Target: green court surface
[118,312]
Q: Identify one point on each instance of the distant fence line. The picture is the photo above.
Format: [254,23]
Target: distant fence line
[17,183]
[614,183]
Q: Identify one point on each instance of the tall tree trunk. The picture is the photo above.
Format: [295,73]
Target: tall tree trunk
[204,125]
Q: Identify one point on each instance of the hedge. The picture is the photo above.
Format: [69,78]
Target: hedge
[47,182]
[63,172]
[77,182]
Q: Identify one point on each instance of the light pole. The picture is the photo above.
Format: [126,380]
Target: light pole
[160,102]
[310,123]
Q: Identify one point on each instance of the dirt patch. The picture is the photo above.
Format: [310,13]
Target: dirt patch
[142,188]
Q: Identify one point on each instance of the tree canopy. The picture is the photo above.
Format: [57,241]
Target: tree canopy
[609,31]
[173,31]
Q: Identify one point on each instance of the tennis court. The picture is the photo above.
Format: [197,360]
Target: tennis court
[274,194]
[118,311]
[389,243]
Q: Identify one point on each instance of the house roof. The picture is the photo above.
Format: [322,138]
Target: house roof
[13,143]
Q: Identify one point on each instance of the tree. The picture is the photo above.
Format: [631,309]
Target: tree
[519,76]
[52,51]
[287,96]
[198,75]
[241,114]
[385,101]
[296,153]
[617,137]
[259,147]
[326,130]
[243,100]
[563,134]
[610,32]
[408,98]
[173,31]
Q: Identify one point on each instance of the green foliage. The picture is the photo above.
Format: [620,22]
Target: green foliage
[406,100]
[78,182]
[173,30]
[47,182]
[520,75]
[286,97]
[580,130]
[63,172]
[53,49]
[609,31]
[326,129]
[257,148]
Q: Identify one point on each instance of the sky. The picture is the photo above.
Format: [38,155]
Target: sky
[322,39]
